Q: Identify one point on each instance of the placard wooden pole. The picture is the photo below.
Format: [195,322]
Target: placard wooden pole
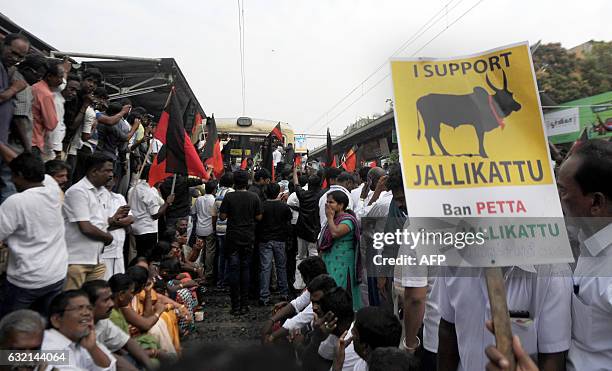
[499,313]
[146,158]
[173,184]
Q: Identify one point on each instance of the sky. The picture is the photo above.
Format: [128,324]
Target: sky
[302,57]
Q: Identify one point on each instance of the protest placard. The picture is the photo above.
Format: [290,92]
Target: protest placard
[473,151]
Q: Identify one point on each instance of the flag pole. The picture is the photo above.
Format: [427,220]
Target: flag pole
[173,184]
[150,149]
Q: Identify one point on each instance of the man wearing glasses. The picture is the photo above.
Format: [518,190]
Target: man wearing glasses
[14,49]
[73,330]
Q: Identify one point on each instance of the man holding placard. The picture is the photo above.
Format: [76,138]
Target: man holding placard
[481,192]
[585,187]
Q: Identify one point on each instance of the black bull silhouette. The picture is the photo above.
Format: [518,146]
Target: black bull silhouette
[479,109]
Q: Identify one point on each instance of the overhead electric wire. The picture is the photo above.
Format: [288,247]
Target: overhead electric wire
[241,35]
[389,74]
[424,28]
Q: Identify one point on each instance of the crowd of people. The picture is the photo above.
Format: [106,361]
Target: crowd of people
[112,269]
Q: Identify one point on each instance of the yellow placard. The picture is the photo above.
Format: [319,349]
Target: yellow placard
[236,151]
[470,122]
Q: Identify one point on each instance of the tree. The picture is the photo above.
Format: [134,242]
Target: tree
[564,77]
[558,74]
[596,67]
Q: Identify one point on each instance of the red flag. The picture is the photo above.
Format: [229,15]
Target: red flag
[197,122]
[212,148]
[373,164]
[350,160]
[243,164]
[297,160]
[277,132]
[177,154]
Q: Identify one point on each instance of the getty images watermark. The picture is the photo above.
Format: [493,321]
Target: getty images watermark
[412,240]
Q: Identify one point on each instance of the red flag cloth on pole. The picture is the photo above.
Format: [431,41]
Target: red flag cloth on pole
[277,132]
[212,148]
[243,164]
[197,122]
[177,154]
[297,160]
[350,160]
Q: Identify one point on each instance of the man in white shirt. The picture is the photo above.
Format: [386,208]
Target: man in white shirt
[65,92]
[374,327]
[542,295]
[147,206]
[338,181]
[363,178]
[205,227]
[299,313]
[374,189]
[338,318]
[109,334]
[112,256]
[22,329]
[277,155]
[72,330]
[32,227]
[584,182]
[86,215]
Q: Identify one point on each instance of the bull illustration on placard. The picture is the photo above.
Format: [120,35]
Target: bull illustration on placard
[484,111]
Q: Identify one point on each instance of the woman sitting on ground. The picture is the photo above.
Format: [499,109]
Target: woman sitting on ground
[180,287]
[147,303]
[122,288]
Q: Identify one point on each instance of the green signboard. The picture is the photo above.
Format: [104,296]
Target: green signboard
[593,114]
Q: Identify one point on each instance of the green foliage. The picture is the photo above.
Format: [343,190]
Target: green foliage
[596,67]
[564,77]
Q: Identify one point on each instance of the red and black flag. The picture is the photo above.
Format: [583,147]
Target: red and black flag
[331,159]
[212,148]
[177,154]
[277,132]
[267,149]
[197,122]
[349,162]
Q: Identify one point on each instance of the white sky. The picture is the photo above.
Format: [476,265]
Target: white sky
[301,56]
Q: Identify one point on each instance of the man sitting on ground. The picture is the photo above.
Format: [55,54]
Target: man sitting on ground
[108,333]
[22,329]
[298,313]
[374,327]
[72,330]
[321,350]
